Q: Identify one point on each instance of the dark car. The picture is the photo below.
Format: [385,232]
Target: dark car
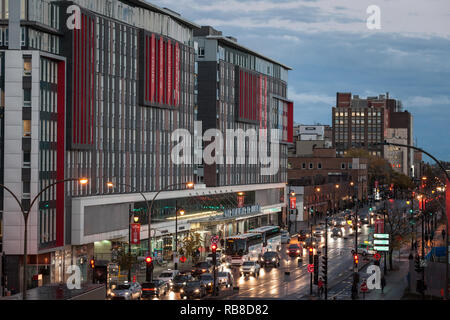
[270,258]
[302,235]
[336,232]
[294,250]
[154,288]
[207,279]
[193,289]
[200,268]
[180,281]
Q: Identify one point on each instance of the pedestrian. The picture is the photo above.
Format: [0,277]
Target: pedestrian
[320,286]
[383,284]
[443,234]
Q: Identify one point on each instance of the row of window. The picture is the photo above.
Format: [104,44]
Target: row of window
[311,165]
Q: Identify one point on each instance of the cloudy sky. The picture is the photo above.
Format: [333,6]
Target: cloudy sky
[331,49]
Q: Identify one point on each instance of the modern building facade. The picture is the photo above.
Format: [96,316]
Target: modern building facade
[95,88]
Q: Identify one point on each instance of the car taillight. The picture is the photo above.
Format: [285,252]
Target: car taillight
[148,289]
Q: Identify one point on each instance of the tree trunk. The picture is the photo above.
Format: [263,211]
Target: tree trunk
[390,260]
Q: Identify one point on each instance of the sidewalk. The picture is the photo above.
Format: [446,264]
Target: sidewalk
[396,283]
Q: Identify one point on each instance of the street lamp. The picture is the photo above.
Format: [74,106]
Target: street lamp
[188,185]
[135,219]
[179,212]
[26,214]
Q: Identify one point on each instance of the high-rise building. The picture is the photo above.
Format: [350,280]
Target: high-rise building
[360,123]
[240,89]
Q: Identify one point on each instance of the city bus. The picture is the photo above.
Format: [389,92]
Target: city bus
[243,247]
[271,236]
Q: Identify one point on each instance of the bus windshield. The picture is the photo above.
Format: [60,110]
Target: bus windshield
[236,247]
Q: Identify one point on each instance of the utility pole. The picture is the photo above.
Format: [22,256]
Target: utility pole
[325,267]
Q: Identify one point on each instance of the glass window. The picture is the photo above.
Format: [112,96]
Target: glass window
[27,66]
[26,128]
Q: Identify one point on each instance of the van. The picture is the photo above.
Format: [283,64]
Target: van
[285,237]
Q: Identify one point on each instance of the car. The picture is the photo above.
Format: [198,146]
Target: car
[336,232]
[200,268]
[193,289]
[250,268]
[365,220]
[285,237]
[294,250]
[302,235]
[207,279]
[168,275]
[311,242]
[180,281]
[270,258]
[365,249]
[154,288]
[318,232]
[219,256]
[225,278]
[127,291]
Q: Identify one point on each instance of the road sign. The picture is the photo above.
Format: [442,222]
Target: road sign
[364,287]
[378,248]
[377,256]
[182,259]
[384,242]
[381,235]
[215,239]
[310,268]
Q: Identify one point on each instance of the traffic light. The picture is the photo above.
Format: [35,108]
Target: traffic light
[310,255]
[355,258]
[92,262]
[149,268]
[370,209]
[324,268]
[213,248]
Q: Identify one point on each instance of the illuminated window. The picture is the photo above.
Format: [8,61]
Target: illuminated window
[27,128]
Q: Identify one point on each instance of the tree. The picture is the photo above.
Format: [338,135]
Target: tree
[190,244]
[398,227]
[126,260]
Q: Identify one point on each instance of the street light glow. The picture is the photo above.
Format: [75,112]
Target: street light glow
[190,185]
[110,184]
[136,219]
[83,181]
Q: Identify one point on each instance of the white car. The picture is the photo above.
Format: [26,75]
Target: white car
[127,291]
[225,278]
[285,237]
[318,232]
[250,268]
[168,275]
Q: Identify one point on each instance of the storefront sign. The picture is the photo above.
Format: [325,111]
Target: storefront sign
[135,233]
[228,213]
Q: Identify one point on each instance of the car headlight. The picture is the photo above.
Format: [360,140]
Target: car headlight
[241,269]
[184,283]
[127,293]
[298,251]
[273,259]
[210,284]
[113,294]
[197,290]
[181,290]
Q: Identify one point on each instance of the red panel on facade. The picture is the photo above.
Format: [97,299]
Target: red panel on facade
[60,164]
[93,81]
[147,69]
[265,102]
[177,75]
[83,80]
[75,93]
[161,70]
[153,69]
[169,73]
[290,122]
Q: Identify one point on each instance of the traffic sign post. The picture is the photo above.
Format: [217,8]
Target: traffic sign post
[364,289]
[310,268]
[377,256]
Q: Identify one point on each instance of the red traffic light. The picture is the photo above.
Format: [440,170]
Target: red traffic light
[148,259]
[213,247]
[310,250]
[355,258]
[92,262]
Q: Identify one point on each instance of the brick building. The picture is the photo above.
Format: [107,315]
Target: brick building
[328,182]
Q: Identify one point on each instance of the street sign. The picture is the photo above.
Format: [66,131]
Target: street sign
[182,259]
[310,268]
[377,248]
[381,235]
[376,241]
[377,256]
[215,239]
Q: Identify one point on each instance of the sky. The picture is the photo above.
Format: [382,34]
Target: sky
[331,49]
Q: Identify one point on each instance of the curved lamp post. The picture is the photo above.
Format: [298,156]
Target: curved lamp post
[26,214]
